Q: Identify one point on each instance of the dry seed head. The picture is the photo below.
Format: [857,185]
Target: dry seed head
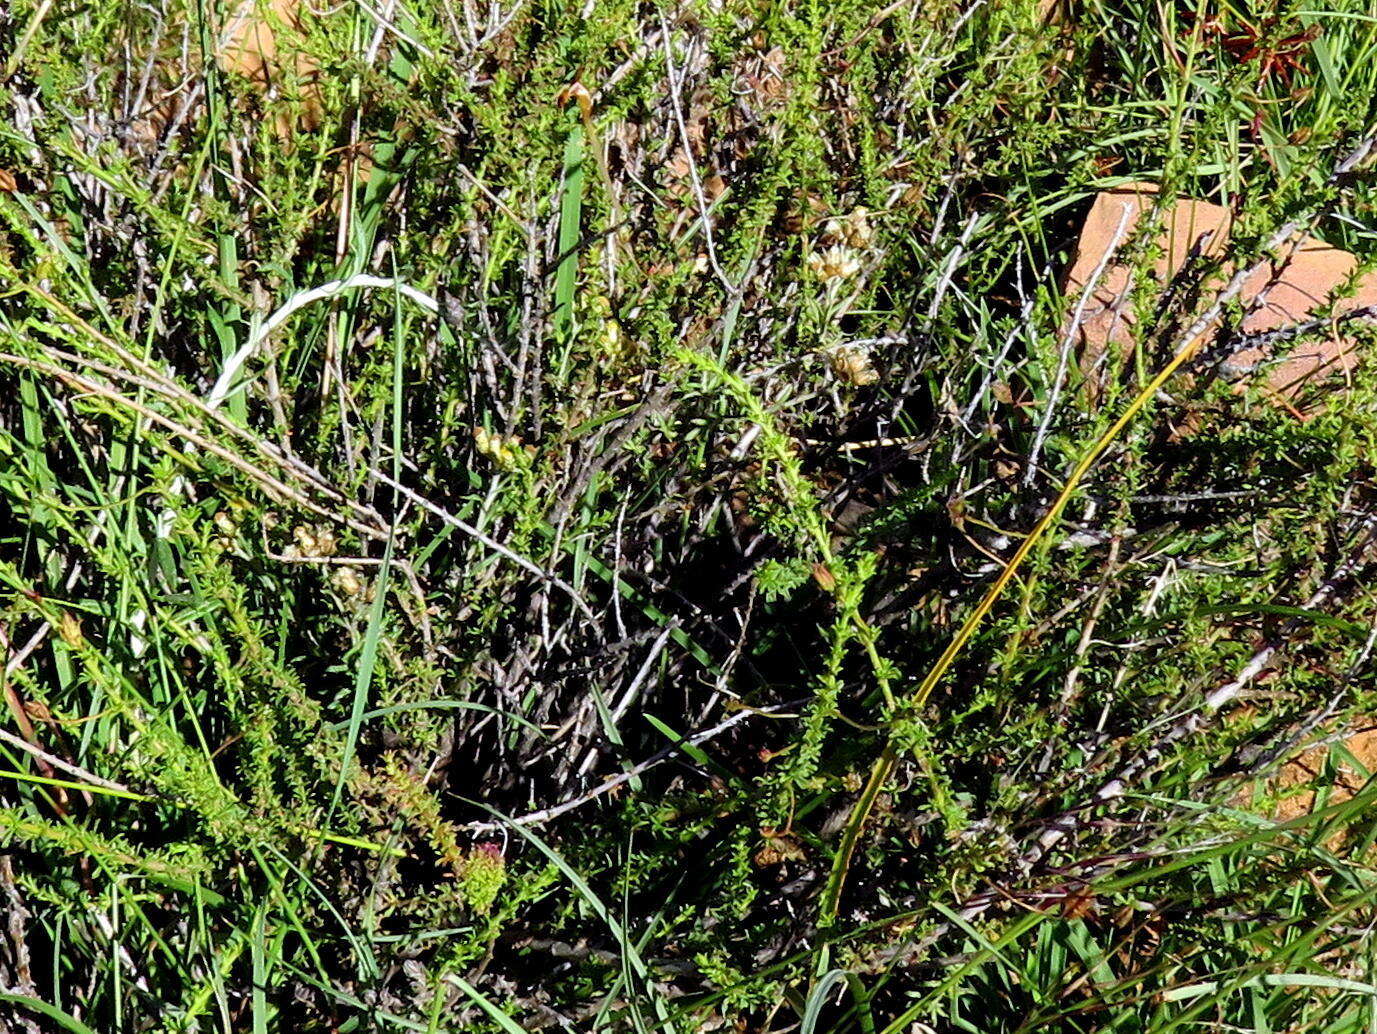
[859,233]
[226,529]
[69,628]
[822,574]
[836,263]
[852,363]
[615,344]
[853,231]
[346,581]
[314,543]
[506,453]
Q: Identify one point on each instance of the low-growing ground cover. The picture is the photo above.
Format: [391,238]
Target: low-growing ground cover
[548,517]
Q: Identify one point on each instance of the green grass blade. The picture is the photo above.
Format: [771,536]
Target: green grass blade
[487,1005]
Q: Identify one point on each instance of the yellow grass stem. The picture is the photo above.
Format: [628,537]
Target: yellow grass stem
[879,773]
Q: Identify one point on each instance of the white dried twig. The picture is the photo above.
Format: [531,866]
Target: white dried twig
[76,771]
[675,85]
[1063,359]
[225,384]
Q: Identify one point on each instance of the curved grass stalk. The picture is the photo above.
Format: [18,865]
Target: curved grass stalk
[879,773]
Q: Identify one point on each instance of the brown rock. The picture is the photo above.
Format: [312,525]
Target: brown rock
[1339,767]
[1285,291]
[1296,783]
[1054,12]
[249,46]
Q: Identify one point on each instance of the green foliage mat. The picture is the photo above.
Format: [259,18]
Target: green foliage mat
[488,490]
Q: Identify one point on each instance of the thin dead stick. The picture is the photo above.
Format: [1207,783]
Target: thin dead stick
[1068,340]
[1088,628]
[620,708]
[1223,355]
[873,443]
[643,48]
[704,210]
[875,20]
[1225,694]
[491,543]
[522,225]
[66,766]
[949,267]
[655,648]
[1057,829]
[18,657]
[537,818]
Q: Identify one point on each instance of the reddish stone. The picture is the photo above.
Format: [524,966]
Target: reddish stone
[1287,290]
